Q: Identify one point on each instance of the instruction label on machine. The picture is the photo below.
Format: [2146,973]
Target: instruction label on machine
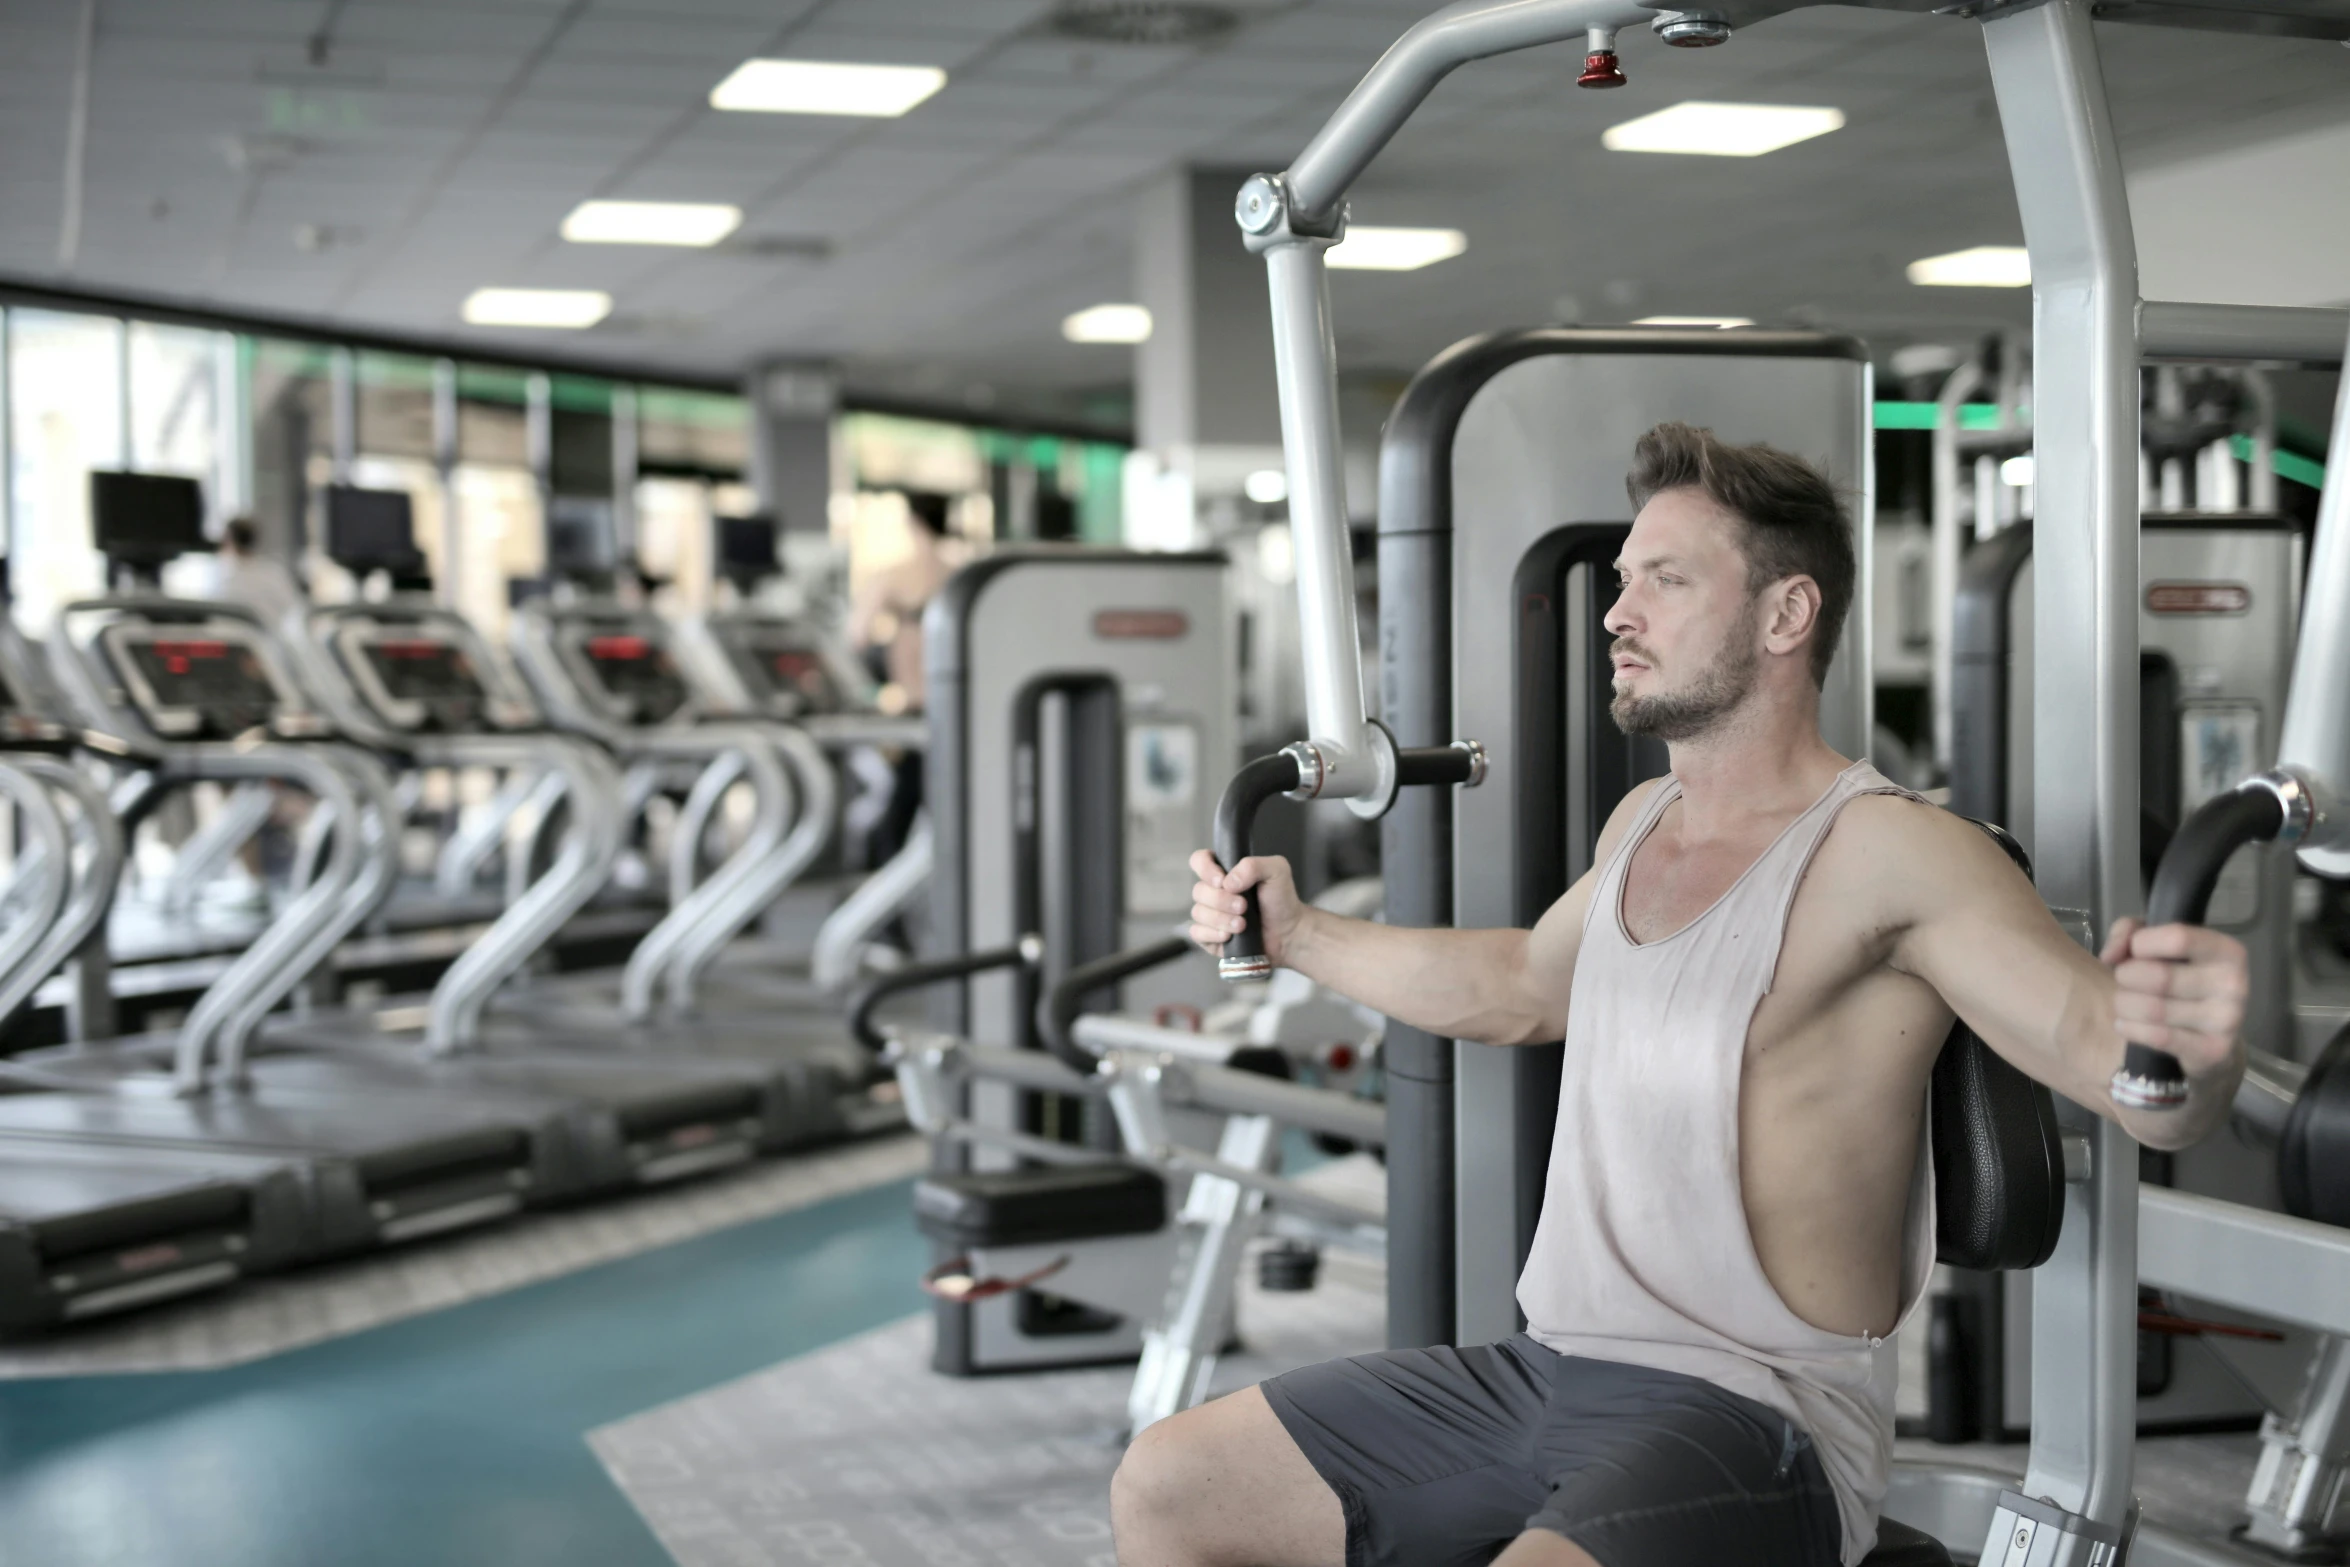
[1163,819]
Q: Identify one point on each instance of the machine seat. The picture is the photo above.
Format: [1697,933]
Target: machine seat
[1898,1545]
[1068,1202]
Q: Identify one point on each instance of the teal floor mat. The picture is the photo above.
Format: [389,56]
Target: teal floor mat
[450,1438]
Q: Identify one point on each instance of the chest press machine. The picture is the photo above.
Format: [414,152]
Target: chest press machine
[2075,1504]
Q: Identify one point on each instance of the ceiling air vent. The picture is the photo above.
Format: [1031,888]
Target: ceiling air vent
[1141,21]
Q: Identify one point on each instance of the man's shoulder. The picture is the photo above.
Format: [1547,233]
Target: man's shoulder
[1900,842]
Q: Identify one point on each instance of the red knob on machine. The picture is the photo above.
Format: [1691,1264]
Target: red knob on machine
[1601,70]
[1339,1057]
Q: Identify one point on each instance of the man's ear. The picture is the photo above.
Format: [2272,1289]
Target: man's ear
[1791,612]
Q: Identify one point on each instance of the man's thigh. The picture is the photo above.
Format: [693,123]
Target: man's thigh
[1428,1450]
[1653,1469]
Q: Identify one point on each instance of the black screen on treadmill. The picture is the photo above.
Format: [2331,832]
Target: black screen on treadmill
[223,681]
[435,673]
[793,668]
[637,671]
[422,670]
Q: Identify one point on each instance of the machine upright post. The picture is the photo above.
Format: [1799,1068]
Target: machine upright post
[2068,182]
[2316,737]
[1306,366]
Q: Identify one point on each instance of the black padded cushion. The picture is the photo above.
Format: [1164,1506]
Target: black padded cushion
[1998,1163]
[1898,1545]
[1066,1202]
[2310,1163]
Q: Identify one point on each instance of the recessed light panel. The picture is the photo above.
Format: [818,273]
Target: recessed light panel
[651,223]
[547,307]
[1711,321]
[1721,130]
[1367,249]
[1985,266]
[826,87]
[1108,324]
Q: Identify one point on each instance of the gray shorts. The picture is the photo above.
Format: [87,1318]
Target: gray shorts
[1443,1456]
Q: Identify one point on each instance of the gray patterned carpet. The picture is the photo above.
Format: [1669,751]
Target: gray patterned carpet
[861,1456]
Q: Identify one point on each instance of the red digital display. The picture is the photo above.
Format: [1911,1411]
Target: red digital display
[178,656]
[618,648]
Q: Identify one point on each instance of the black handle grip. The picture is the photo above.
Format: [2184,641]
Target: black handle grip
[913,976]
[2152,1079]
[1236,817]
[1059,1011]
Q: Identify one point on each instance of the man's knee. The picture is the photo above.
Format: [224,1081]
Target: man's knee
[1160,1476]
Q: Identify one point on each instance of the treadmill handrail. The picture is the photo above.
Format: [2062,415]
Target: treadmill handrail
[914,976]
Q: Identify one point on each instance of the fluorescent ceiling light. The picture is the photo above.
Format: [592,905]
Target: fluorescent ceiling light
[1367,249]
[651,222]
[550,307]
[826,87]
[2016,473]
[1985,266]
[1721,130]
[1266,486]
[1108,324]
[1712,321]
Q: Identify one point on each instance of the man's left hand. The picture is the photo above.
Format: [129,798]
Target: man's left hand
[2181,989]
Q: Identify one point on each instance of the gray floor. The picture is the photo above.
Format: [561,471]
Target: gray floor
[269,1316]
[860,1454]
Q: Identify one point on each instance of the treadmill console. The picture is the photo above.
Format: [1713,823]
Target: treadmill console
[418,677]
[213,679]
[786,672]
[632,674]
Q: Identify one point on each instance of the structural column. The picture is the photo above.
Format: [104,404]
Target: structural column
[792,408]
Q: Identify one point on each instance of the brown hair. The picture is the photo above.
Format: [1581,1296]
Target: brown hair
[1795,524]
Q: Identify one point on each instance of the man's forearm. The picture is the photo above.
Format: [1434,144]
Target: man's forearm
[1460,984]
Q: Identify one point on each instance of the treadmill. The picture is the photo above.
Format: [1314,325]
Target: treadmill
[748,662]
[610,673]
[179,691]
[89,1230]
[414,683]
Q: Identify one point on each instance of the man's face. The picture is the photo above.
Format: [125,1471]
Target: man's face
[1685,654]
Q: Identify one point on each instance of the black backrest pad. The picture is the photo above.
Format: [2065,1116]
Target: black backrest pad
[1998,1164]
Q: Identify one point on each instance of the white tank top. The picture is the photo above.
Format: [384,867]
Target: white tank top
[1643,1254]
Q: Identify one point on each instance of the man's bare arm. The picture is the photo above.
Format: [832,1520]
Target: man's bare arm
[1496,987]
[1972,926]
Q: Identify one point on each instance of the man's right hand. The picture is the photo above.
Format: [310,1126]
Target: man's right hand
[1216,902]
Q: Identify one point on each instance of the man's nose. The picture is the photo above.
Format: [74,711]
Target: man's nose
[1619,619]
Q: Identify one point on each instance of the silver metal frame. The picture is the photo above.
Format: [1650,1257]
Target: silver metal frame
[2090,330]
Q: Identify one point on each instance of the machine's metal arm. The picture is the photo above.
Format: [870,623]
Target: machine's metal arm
[1470,30]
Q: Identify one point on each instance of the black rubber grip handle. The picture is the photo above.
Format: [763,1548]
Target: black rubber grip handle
[1420,766]
[2152,1079]
[913,976]
[1059,1011]
[1236,817]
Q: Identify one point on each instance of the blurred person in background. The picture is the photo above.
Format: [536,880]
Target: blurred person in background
[885,625]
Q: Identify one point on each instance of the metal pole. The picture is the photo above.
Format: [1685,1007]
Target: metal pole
[7,440]
[1947,546]
[624,470]
[444,461]
[2068,182]
[1305,362]
[538,434]
[2172,330]
[343,408]
[2316,740]
[126,441]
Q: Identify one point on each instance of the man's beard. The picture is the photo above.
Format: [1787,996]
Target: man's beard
[1684,715]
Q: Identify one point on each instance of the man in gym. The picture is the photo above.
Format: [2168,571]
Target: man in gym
[1752,982]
